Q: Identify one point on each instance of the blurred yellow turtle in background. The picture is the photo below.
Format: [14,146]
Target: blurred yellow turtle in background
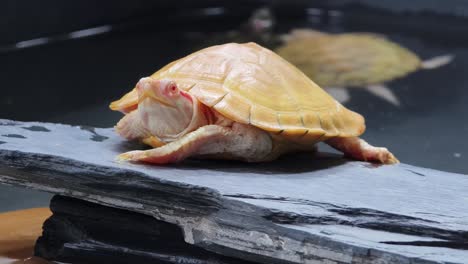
[338,61]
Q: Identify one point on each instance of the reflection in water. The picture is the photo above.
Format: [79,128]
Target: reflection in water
[30,43]
[212,11]
[257,28]
[89,32]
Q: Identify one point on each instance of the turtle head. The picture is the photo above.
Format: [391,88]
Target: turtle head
[161,92]
[164,109]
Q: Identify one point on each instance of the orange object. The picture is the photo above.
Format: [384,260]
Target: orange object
[18,233]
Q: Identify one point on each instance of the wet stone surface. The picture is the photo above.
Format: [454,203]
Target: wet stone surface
[298,209]
[84,232]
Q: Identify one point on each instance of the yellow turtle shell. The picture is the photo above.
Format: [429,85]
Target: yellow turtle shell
[349,59]
[250,84]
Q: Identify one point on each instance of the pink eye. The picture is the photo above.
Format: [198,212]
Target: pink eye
[171,89]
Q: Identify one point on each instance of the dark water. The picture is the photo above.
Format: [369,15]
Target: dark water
[72,81]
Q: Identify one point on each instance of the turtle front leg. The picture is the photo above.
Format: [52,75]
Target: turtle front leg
[238,142]
[131,128]
[359,149]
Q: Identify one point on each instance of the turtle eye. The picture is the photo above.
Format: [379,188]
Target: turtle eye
[171,89]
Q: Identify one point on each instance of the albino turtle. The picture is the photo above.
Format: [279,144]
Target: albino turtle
[236,101]
[337,61]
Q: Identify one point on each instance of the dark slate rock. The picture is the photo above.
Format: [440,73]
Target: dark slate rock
[84,232]
[298,209]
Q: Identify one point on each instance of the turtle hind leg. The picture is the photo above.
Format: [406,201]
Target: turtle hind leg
[239,142]
[359,149]
[436,62]
[384,93]
[341,94]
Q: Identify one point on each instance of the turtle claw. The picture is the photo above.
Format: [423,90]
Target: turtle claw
[129,156]
[385,157]
[391,159]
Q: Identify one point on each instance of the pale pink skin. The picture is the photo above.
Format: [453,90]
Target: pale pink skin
[183,127]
